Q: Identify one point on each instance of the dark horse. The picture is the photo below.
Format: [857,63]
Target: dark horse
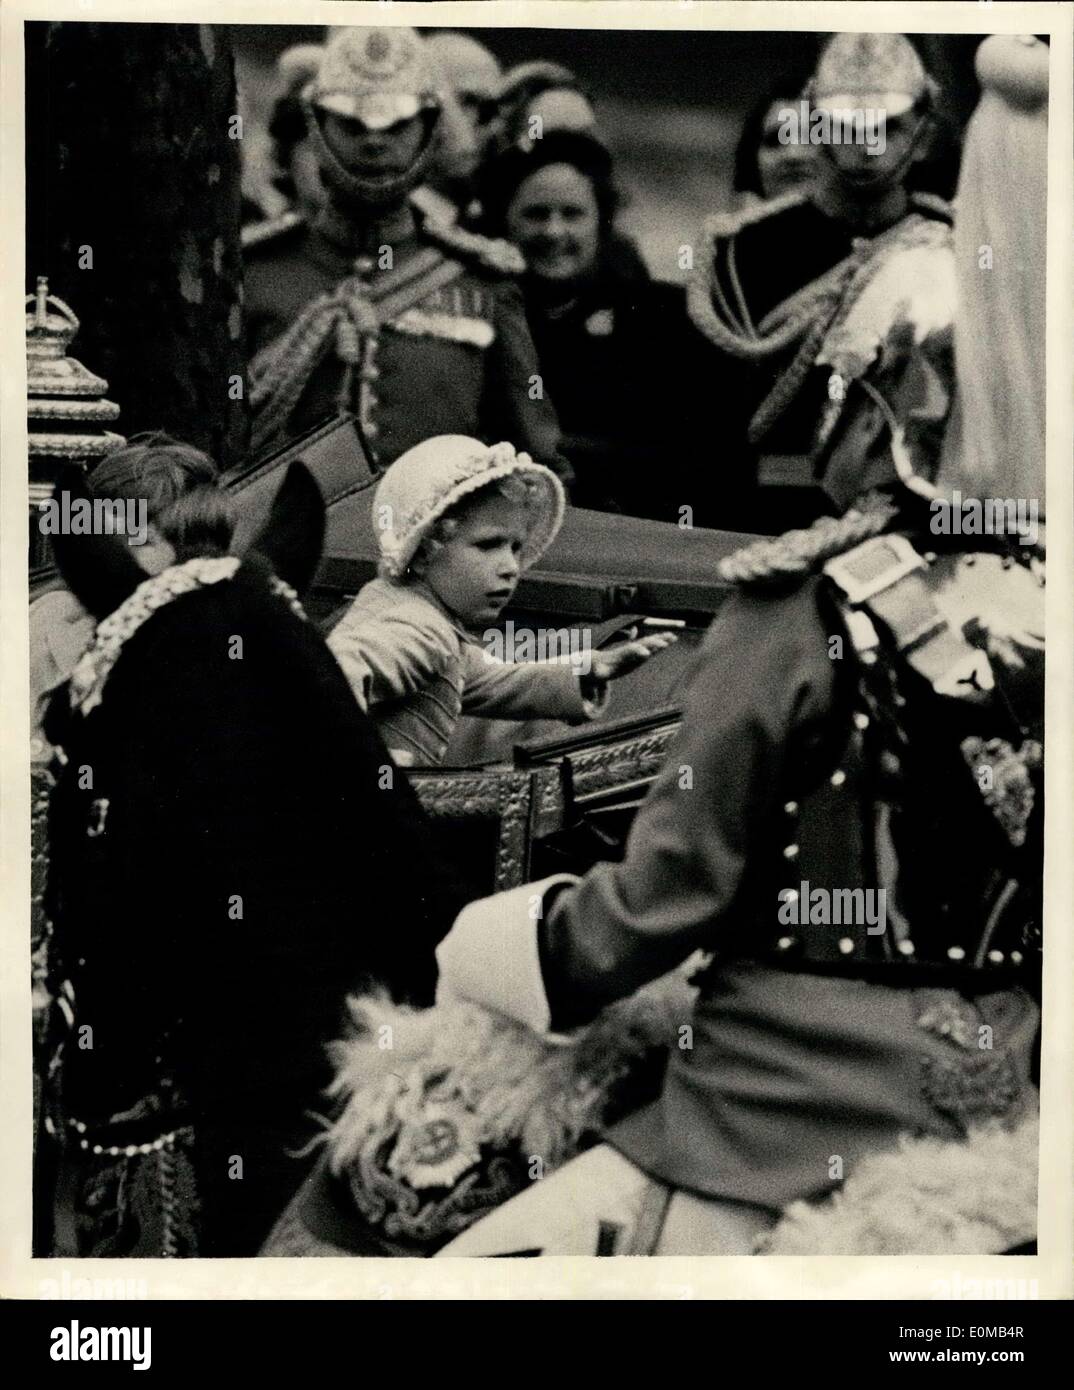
[232,852]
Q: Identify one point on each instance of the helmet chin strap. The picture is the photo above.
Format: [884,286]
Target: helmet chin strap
[903,166]
[368,191]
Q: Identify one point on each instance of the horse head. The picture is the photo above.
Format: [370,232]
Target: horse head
[292,537]
[97,566]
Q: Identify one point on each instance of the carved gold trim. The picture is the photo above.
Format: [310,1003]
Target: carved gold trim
[602,770]
[526,804]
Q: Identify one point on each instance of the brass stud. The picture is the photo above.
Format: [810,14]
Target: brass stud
[790,852]
[1016,958]
[791,808]
[838,777]
[906,948]
[861,721]
[956,953]
[846,945]
[996,957]
[785,943]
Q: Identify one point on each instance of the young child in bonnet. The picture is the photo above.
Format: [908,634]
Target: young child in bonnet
[458,522]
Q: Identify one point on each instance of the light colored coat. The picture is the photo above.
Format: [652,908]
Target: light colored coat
[414,669]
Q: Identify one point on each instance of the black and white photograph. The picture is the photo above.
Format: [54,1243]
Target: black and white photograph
[535,542]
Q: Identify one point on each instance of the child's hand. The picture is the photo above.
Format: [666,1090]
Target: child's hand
[617,661]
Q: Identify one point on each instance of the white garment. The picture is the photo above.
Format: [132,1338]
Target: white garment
[600,1203]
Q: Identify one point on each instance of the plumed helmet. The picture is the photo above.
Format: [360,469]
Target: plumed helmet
[881,72]
[377,76]
[996,446]
[466,65]
[434,476]
[297,66]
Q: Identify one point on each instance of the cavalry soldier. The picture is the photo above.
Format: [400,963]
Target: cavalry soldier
[408,321]
[888,741]
[796,290]
[849,826]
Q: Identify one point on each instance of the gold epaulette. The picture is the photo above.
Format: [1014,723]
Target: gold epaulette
[722,225]
[496,255]
[257,233]
[776,560]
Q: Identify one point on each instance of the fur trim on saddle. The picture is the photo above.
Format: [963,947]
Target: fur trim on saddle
[447,1109]
[930,1197]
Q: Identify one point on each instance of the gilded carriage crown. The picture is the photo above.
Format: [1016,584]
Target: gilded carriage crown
[66,405]
[67,413]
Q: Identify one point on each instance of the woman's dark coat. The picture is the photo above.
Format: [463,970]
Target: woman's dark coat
[639,394]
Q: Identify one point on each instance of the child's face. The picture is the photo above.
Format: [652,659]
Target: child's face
[475,572]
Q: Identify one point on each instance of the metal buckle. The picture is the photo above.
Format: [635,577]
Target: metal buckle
[874,566]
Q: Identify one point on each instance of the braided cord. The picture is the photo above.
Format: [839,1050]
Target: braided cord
[282,370]
[797,553]
[343,320]
[805,318]
[790,382]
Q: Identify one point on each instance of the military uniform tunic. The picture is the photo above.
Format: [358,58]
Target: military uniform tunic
[452,352]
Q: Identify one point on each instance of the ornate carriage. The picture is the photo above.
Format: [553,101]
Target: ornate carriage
[515,801]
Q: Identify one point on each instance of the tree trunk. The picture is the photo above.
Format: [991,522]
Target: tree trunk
[133,187]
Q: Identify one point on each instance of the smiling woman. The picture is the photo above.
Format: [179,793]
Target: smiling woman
[596,316]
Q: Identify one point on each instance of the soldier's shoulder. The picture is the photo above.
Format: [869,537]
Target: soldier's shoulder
[756,216]
[489,256]
[275,235]
[783,562]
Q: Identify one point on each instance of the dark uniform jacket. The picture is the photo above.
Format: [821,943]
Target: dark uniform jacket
[810,1038]
[778,253]
[794,782]
[453,356]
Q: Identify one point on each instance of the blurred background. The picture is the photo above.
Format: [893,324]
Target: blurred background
[139,179]
[670,106]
